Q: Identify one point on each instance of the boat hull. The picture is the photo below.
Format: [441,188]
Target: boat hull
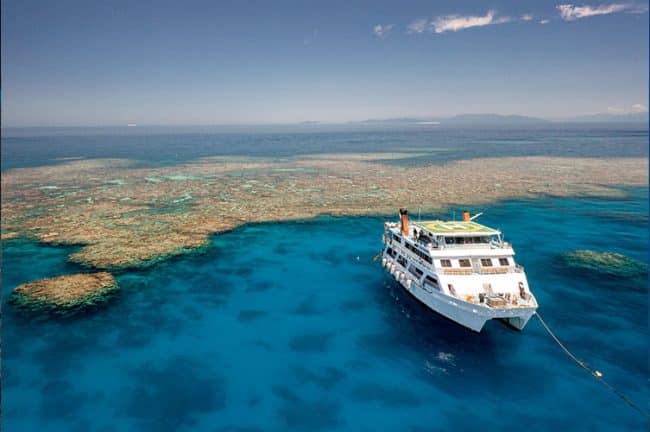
[469,315]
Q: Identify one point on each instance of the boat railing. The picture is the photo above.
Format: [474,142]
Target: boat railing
[493,270]
[457,271]
[467,246]
[481,270]
[474,246]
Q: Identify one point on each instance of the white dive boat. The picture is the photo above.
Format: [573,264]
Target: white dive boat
[461,269]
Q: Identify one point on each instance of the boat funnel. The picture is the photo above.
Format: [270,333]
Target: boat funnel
[404,215]
[466,217]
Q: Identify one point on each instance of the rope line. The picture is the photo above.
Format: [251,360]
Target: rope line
[596,374]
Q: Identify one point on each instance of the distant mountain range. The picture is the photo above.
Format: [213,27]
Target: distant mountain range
[507,120]
[492,119]
[462,120]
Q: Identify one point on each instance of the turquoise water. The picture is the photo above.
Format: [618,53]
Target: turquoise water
[291,326]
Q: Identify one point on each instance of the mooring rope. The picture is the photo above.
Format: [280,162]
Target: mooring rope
[596,374]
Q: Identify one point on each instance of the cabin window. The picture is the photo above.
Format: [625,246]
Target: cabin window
[486,262]
[504,261]
[415,271]
[390,252]
[464,263]
[424,255]
[401,260]
[450,240]
[445,263]
[431,281]
[398,239]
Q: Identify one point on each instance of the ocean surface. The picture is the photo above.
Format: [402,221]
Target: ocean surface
[292,326]
[159,145]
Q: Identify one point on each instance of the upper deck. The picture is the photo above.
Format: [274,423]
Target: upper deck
[456,228]
[452,237]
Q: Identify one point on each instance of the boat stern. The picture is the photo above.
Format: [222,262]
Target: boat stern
[520,321]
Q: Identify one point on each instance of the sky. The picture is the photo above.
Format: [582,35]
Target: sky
[67,63]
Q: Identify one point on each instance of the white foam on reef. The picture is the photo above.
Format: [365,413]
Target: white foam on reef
[433,369]
[446,357]
[180,177]
[185,197]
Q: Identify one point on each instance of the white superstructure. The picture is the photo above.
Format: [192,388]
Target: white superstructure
[461,269]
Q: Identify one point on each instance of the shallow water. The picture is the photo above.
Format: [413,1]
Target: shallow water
[291,326]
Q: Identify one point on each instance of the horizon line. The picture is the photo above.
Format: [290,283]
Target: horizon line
[579,118]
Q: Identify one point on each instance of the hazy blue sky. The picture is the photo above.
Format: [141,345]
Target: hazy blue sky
[194,62]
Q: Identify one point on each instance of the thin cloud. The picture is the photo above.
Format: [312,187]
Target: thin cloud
[420,25]
[639,108]
[615,110]
[381,31]
[570,12]
[456,22]
[544,21]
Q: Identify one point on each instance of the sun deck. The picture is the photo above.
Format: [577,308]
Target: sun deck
[456,228]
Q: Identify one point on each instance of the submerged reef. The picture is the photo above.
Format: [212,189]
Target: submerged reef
[64,293]
[125,215]
[604,263]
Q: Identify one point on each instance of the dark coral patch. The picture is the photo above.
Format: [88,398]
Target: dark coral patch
[387,395]
[353,305]
[327,378]
[240,429]
[250,315]
[306,307]
[285,394]
[604,263]
[312,342]
[310,415]
[259,286]
[171,396]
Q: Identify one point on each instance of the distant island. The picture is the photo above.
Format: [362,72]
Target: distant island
[639,117]
[491,119]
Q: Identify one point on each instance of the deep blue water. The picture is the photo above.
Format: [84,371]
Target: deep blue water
[167,145]
[291,326]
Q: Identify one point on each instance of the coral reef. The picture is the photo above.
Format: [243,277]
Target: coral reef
[608,263]
[126,215]
[65,292]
